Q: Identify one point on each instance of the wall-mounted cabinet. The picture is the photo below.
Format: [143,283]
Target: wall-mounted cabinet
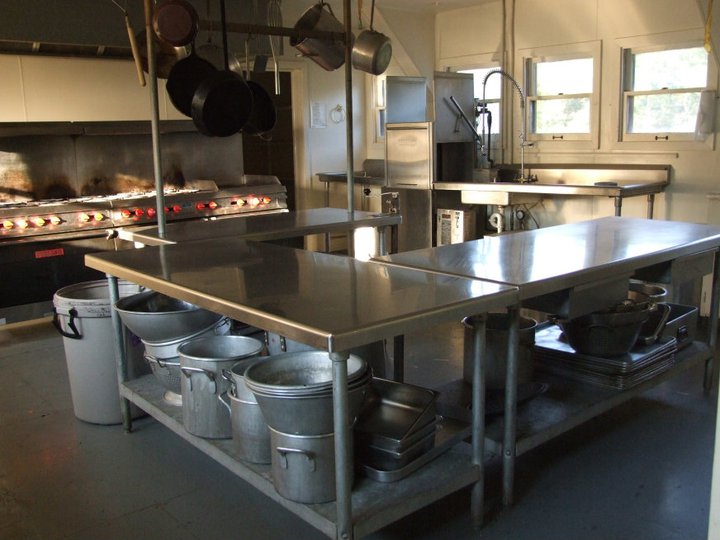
[53,89]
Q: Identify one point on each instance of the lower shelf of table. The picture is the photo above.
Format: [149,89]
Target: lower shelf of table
[568,403]
[374,504]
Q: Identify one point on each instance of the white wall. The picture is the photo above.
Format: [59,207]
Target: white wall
[465,35]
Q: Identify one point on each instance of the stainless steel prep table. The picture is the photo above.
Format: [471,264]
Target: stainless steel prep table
[274,226]
[333,303]
[571,268]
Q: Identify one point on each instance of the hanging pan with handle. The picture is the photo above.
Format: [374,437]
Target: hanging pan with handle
[263,115]
[222,102]
[175,22]
[372,50]
[184,79]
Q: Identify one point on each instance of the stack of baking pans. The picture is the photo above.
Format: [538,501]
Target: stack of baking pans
[395,427]
[620,372]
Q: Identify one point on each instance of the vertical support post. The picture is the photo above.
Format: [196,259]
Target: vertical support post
[650,205]
[349,118]
[509,435]
[711,363]
[478,418]
[399,358]
[155,119]
[382,244]
[618,205]
[343,444]
[119,348]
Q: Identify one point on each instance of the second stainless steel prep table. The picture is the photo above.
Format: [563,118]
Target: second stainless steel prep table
[274,226]
[571,270]
[333,303]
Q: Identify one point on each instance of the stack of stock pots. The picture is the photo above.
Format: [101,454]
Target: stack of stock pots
[278,409]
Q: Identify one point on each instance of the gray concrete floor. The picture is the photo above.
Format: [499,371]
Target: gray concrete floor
[641,471]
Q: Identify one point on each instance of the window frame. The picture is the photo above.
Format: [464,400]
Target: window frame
[627,53]
[527,58]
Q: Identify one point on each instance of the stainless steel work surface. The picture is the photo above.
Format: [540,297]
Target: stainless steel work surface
[263,227]
[327,301]
[545,260]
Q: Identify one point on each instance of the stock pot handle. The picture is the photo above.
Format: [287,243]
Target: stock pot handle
[225,400]
[71,323]
[283,456]
[188,371]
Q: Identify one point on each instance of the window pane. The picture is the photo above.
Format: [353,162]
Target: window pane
[676,68]
[564,77]
[663,113]
[562,115]
[492,88]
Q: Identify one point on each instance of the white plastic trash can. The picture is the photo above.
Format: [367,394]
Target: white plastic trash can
[83,317]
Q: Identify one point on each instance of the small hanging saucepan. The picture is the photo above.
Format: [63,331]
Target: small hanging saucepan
[223,101]
[372,50]
[262,116]
[175,22]
[184,79]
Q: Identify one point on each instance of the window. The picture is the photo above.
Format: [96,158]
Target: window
[562,84]
[559,96]
[662,91]
[488,122]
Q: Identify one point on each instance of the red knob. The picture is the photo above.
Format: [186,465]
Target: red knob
[139,212]
[151,212]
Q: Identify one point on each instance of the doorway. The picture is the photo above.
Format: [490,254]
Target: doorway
[273,153]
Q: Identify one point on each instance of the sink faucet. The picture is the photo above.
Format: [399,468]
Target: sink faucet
[523,100]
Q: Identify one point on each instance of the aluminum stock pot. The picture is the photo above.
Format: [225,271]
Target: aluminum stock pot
[202,361]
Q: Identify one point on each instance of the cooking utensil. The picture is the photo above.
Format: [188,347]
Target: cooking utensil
[262,115]
[133,45]
[166,55]
[372,51]
[327,53]
[184,79]
[222,102]
[274,19]
[175,22]
[209,51]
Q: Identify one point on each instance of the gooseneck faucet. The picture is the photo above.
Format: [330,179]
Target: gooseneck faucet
[523,100]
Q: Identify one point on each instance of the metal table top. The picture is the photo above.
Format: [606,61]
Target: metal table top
[554,258]
[262,226]
[326,301]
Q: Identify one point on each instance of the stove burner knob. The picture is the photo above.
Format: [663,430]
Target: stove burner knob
[126,213]
[83,217]
[139,212]
[98,216]
[241,202]
[253,201]
[7,224]
[266,200]
[37,221]
[151,212]
[200,206]
[167,209]
[177,208]
[55,220]
[212,205]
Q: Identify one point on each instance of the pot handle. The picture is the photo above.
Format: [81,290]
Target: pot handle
[225,400]
[283,451]
[188,371]
[164,363]
[227,375]
[71,323]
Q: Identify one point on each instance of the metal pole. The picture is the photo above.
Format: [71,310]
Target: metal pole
[341,425]
[650,205]
[349,119]
[478,418]
[511,376]
[155,120]
[119,348]
[711,363]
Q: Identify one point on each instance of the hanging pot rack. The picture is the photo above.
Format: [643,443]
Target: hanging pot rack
[263,30]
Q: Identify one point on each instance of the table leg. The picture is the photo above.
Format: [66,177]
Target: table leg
[398,358]
[710,363]
[343,464]
[119,348]
[509,435]
[478,417]
[650,205]
[618,206]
